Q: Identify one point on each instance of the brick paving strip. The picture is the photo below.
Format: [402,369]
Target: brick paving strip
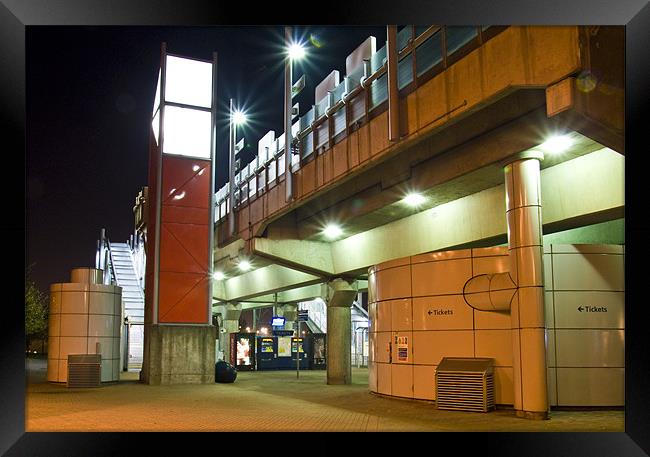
[269,401]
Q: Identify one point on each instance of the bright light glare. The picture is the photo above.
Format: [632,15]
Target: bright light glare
[332,231]
[296,51]
[244,265]
[557,144]
[263,330]
[239,118]
[218,275]
[414,199]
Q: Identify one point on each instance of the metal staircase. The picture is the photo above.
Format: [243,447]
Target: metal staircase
[123,264]
[125,276]
[317,323]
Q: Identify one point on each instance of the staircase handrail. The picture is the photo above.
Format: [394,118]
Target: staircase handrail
[112,262]
[360,308]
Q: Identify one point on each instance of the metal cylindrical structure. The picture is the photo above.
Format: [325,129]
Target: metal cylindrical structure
[524,221]
[85,318]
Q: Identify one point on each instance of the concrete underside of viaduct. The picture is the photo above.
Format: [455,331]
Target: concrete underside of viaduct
[577,193]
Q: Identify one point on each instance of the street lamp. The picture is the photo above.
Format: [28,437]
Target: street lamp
[236,118]
[295,51]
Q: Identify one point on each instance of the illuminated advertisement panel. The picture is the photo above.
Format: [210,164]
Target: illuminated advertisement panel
[294,344]
[266,345]
[284,346]
[243,351]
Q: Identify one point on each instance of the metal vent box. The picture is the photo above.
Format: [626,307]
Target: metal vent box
[84,370]
[465,384]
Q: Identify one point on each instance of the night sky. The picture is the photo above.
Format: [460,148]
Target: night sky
[90,94]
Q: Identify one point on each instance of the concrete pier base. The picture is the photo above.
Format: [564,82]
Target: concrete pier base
[179,354]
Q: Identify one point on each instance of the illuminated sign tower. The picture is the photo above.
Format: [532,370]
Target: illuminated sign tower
[180,232]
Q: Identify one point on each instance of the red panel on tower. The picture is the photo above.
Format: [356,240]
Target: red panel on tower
[184,294]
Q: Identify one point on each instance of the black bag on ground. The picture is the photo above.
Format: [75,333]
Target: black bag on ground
[224,372]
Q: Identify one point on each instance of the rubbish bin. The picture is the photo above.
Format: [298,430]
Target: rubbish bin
[224,372]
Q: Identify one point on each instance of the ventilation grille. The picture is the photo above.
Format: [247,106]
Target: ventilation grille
[465,384]
[84,370]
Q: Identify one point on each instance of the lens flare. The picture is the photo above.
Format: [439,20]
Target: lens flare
[586,81]
[313,39]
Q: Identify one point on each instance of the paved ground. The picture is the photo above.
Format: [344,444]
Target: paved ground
[267,401]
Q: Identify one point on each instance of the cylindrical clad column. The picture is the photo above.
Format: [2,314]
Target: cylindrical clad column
[87,276]
[85,318]
[524,218]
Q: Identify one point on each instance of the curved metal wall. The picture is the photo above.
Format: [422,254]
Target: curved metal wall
[85,318]
[416,303]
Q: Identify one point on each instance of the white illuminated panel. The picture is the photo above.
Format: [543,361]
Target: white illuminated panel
[188,81]
[156,126]
[187,132]
[156,101]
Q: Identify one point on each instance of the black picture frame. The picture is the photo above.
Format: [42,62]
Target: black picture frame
[16,15]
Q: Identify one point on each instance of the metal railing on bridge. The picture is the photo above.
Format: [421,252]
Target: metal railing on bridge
[423,52]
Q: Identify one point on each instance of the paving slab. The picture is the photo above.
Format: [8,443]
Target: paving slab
[273,401]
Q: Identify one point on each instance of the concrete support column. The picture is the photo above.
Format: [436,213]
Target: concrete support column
[230,313]
[339,298]
[524,218]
